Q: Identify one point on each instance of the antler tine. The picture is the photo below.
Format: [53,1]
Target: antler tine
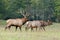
[27,14]
[23,13]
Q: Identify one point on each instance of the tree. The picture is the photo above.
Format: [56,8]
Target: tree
[57,10]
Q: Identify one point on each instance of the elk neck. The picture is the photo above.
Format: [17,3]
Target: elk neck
[24,20]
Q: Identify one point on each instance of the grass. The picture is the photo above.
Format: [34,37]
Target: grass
[52,33]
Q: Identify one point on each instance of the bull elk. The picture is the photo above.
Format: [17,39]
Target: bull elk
[18,22]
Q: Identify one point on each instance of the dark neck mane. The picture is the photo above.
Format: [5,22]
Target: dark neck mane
[24,20]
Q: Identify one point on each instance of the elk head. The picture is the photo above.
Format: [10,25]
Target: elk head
[25,19]
[49,22]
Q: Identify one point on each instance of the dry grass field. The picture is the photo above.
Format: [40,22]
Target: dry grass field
[52,33]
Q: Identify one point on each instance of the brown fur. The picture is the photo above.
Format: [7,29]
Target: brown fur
[40,24]
[15,22]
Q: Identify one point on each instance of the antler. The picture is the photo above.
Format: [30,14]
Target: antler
[25,14]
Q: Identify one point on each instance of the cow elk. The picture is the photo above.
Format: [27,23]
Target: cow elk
[33,24]
[37,24]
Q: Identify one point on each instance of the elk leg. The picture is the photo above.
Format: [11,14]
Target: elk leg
[25,28]
[43,28]
[16,28]
[36,28]
[40,28]
[7,27]
[31,29]
[20,28]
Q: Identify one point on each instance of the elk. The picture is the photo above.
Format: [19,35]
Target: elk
[49,22]
[33,24]
[18,22]
[37,24]
[44,23]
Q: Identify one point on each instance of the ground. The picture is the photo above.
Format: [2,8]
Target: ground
[52,33]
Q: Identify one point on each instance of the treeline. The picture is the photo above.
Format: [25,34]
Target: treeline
[39,9]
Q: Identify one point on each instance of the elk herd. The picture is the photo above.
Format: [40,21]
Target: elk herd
[19,22]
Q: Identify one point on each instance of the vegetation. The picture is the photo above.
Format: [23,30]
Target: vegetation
[39,9]
[52,33]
